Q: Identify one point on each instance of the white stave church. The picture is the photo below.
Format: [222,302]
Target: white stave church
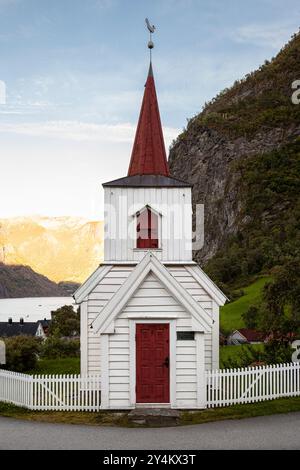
[149,314]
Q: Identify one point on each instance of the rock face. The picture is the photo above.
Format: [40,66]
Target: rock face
[205,160]
[254,117]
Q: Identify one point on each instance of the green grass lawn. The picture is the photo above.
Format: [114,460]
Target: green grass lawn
[65,365]
[231,314]
[110,418]
[234,352]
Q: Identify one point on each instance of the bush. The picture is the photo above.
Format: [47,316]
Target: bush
[248,355]
[55,347]
[278,351]
[22,352]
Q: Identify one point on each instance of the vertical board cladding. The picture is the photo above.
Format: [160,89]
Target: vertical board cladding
[118,364]
[121,205]
[97,300]
[192,286]
[151,300]
[186,373]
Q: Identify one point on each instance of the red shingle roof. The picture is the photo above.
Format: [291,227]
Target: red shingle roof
[148,154]
[251,335]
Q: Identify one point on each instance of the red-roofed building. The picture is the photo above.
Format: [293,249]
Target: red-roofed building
[245,335]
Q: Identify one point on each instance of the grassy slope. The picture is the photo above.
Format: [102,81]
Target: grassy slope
[231,314]
[234,353]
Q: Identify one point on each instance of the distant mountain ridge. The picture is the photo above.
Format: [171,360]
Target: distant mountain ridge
[60,248]
[21,281]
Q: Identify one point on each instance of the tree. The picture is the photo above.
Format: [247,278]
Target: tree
[280,317]
[282,301]
[251,317]
[65,322]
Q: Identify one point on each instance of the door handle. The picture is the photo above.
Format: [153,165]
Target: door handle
[166,363]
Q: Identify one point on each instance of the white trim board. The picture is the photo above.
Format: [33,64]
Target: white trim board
[141,206]
[104,372]
[84,338]
[134,263]
[104,322]
[207,284]
[85,289]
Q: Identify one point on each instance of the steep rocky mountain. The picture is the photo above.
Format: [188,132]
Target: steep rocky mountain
[242,154]
[62,248]
[22,281]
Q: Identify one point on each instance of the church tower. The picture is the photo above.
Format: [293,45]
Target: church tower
[151,209]
[149,314]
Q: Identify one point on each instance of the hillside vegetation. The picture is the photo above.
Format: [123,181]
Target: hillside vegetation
[242,154]
[231,314]
[261,100]
[269,219]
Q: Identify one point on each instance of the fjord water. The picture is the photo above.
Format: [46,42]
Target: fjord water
[31,308]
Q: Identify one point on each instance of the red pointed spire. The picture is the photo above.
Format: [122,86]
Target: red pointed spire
[148,154]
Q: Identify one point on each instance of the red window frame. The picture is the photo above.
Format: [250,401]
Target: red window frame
[147,229]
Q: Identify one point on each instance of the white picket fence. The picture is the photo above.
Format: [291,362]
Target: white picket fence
[252,384]
[80,393]
[51,392]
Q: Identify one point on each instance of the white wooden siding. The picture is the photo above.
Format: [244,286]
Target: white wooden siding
[186,374]
[161,301]
[185,278]
[152,300]
[176,222]
[97,299]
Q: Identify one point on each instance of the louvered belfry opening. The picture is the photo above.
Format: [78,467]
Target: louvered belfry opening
[147,229]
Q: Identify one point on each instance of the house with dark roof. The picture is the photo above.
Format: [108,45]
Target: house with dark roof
[46,325]
[10,328]
[245,336]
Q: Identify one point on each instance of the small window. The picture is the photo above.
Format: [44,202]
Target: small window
[147,229]
[185,335]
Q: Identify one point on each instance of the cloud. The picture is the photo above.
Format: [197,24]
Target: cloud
[28,108]
[272,35]
[81,131]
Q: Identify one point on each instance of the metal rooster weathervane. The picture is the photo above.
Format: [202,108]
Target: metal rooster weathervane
[151,29]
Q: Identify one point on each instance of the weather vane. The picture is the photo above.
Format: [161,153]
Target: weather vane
[151,29]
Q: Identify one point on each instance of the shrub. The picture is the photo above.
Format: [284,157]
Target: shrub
[55,347]
[22,352]
[248,355]
[278,351]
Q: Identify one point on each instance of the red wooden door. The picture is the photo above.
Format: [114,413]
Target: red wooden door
[152,363]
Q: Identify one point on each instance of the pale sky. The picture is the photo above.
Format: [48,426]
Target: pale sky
[74,73]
